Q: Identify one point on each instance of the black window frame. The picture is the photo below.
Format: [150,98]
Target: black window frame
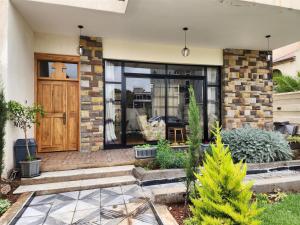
[164,77]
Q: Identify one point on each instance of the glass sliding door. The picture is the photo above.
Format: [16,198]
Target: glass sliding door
[145,110]
[177,107]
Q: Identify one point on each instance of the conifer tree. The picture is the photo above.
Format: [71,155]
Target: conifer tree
[194,141]
[3,118]
[224,199]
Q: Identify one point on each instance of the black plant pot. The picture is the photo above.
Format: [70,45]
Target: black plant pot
[20,150]
[294,145]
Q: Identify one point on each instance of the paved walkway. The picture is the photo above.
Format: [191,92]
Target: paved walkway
[123,205]
[78,160]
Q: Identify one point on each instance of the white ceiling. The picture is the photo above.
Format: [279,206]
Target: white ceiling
[212,23]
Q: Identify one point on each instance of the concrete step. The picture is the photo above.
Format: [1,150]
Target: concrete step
[80,174]
[77,185]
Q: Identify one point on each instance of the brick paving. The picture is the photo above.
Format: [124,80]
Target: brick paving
[55,161]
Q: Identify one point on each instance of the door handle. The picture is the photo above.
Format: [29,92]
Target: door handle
[64,118]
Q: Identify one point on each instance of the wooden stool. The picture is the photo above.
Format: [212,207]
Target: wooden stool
[180,130]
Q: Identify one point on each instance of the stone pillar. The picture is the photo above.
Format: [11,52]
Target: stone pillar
[91,95]
[247,89]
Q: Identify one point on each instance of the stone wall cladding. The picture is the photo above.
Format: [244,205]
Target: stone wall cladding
[247,89]
[91,95]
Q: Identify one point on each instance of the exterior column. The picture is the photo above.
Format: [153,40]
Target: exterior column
[91,95]
[247,89]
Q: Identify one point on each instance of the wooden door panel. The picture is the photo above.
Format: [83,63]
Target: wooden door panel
[72,116]
[58,98]
[58,140]
[46,128]
[51,132]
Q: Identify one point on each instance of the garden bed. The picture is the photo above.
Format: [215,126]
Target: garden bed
[285,212]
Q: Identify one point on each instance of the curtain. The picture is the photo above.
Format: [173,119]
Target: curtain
[110,113]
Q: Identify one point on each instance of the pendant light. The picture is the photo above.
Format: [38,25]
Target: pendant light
[269,53]
[80,47]
[185,51]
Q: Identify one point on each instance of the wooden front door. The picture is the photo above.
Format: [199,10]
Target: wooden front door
[59,96]
[58,129]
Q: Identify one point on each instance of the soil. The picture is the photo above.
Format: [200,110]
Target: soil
[10,196]
[178,212]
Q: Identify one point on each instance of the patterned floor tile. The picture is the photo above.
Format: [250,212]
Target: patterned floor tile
[43,199]
[94,193]
[37,210]
[88,203]
[67,196]
[112,215]
[112,190]
[107,200]
[59,219]
[133,190]
[33,220]
[63,207]
[86,217]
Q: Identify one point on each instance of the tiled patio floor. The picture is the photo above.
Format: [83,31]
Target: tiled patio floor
[121,205]
[78,160]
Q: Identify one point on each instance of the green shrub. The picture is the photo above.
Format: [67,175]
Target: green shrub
[4,205]
[224,197]
[294,139]
[256,146]
[285,83]
[166,158]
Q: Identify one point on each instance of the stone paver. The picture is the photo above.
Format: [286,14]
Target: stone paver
[78,160]
[122,205]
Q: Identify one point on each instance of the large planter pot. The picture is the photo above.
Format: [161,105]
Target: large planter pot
[20,150]
[145,152]
[30,168]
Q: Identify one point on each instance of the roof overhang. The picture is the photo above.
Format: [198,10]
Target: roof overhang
[212,23]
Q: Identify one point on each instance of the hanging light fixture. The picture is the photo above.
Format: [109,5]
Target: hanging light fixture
[269,53]
[80,47]
[185,51]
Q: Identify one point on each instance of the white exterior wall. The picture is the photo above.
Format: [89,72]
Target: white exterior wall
[290,68]
[155,52]
[18,73]
[56,44]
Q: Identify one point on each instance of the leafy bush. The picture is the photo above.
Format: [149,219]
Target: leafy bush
[294,139]
[167,158]
[4,205]
[285,83]
[256,146]
[224,198]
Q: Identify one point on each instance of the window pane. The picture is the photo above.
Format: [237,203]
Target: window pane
[212,107]
[58,70]
[212,75]
[113,114]
[144,68]
[185,70]
[178,105]
[113,71]
[145,110]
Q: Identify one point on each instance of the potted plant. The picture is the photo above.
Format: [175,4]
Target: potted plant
[145,151]
[24,117]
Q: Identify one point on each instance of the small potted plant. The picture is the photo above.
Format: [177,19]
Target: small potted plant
[24,117]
